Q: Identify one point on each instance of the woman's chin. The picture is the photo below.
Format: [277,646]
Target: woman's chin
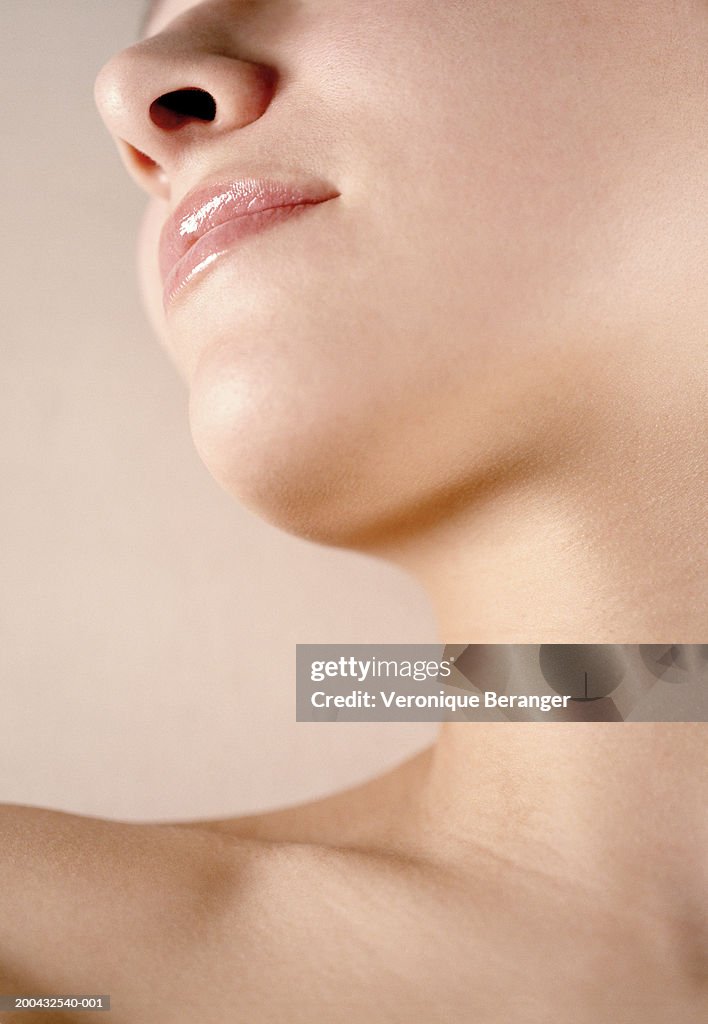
[295,471]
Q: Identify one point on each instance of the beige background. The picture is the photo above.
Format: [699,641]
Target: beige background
[147,623]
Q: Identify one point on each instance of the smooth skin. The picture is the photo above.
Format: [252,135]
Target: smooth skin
[485,361]
[500,878]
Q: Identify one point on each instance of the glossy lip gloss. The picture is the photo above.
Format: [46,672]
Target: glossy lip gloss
[213,218]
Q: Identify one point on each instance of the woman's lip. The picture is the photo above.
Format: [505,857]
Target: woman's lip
[218,240]
[211,218]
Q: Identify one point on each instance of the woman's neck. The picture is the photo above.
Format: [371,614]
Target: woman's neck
[614,552]
[617,807]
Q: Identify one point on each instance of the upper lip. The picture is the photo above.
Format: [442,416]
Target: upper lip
[208,206]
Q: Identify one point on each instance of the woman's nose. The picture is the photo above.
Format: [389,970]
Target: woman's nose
[171,94]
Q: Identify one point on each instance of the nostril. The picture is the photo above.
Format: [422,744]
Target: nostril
[142,159]
[177,108]
[147,172]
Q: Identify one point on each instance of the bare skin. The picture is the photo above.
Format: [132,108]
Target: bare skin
[485,361]
[420,896]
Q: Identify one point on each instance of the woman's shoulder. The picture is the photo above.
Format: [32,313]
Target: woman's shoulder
[93,902]
[220,916]
[42,847]
[97,906]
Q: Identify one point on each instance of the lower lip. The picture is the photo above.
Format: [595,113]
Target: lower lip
[212,246]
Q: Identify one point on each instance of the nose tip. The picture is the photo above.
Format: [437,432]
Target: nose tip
[162,98]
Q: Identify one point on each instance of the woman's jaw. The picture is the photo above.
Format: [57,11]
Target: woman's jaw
[485,359]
